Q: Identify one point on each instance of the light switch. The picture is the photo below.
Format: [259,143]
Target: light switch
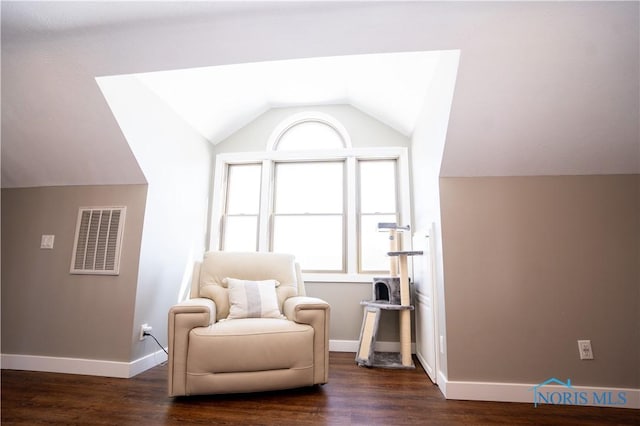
[47,241]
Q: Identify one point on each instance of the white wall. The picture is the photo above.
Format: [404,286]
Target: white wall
[427,144]
[176,162]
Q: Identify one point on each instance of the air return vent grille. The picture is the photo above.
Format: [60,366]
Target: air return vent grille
[96,249]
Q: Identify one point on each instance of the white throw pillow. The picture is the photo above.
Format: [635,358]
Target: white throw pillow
[253,299]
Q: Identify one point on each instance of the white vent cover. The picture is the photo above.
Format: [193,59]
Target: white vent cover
[96,249]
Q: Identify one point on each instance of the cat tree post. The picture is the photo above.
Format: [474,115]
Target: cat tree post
[405,316]
[405,300]
[393,246]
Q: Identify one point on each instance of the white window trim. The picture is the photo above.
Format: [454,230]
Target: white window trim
[293,120]
[350,155]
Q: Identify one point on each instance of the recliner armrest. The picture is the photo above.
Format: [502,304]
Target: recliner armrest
[199,305]
[183,317]
[316,313]
[294,307]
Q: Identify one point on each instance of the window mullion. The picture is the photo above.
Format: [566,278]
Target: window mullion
[351,216]
[404,202]
[217,205]
[266,206]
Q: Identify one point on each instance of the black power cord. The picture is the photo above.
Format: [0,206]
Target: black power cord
[146,333]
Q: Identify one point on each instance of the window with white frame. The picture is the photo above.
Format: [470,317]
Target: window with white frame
[378,203]
[309,212]
[242,207]
[320,204]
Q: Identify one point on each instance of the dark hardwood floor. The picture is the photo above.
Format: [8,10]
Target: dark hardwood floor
[353,396]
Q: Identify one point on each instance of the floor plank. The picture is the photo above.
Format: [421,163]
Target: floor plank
[353,396]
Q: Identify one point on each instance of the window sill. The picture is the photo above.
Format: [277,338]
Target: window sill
[311,277]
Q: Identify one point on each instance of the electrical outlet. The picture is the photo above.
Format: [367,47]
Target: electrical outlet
[584,346]
[145,328]
[46,241]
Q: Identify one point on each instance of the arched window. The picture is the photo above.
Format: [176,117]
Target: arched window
[309,131]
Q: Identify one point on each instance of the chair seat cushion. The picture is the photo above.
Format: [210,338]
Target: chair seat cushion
[250,344]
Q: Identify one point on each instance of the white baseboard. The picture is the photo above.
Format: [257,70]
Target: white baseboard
[524,392]
[442,383]
[146,362]
[499,392]
[473,391]
[96,367]
[352,346]
[90,367]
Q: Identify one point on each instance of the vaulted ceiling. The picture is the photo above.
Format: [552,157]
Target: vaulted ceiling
[218,101]
[542,88]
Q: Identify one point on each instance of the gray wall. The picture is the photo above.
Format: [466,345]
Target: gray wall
[165,231]
[47,311]
[544,88]
[365,131]
[532,264]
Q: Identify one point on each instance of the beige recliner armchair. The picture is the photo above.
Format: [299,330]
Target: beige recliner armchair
[248,327]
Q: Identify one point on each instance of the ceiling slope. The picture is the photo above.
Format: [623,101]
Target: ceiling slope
[218,101]
[543,87]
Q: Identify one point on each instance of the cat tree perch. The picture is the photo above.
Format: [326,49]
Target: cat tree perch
[389,293]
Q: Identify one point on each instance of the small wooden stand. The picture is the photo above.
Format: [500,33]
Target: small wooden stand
[367,356]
